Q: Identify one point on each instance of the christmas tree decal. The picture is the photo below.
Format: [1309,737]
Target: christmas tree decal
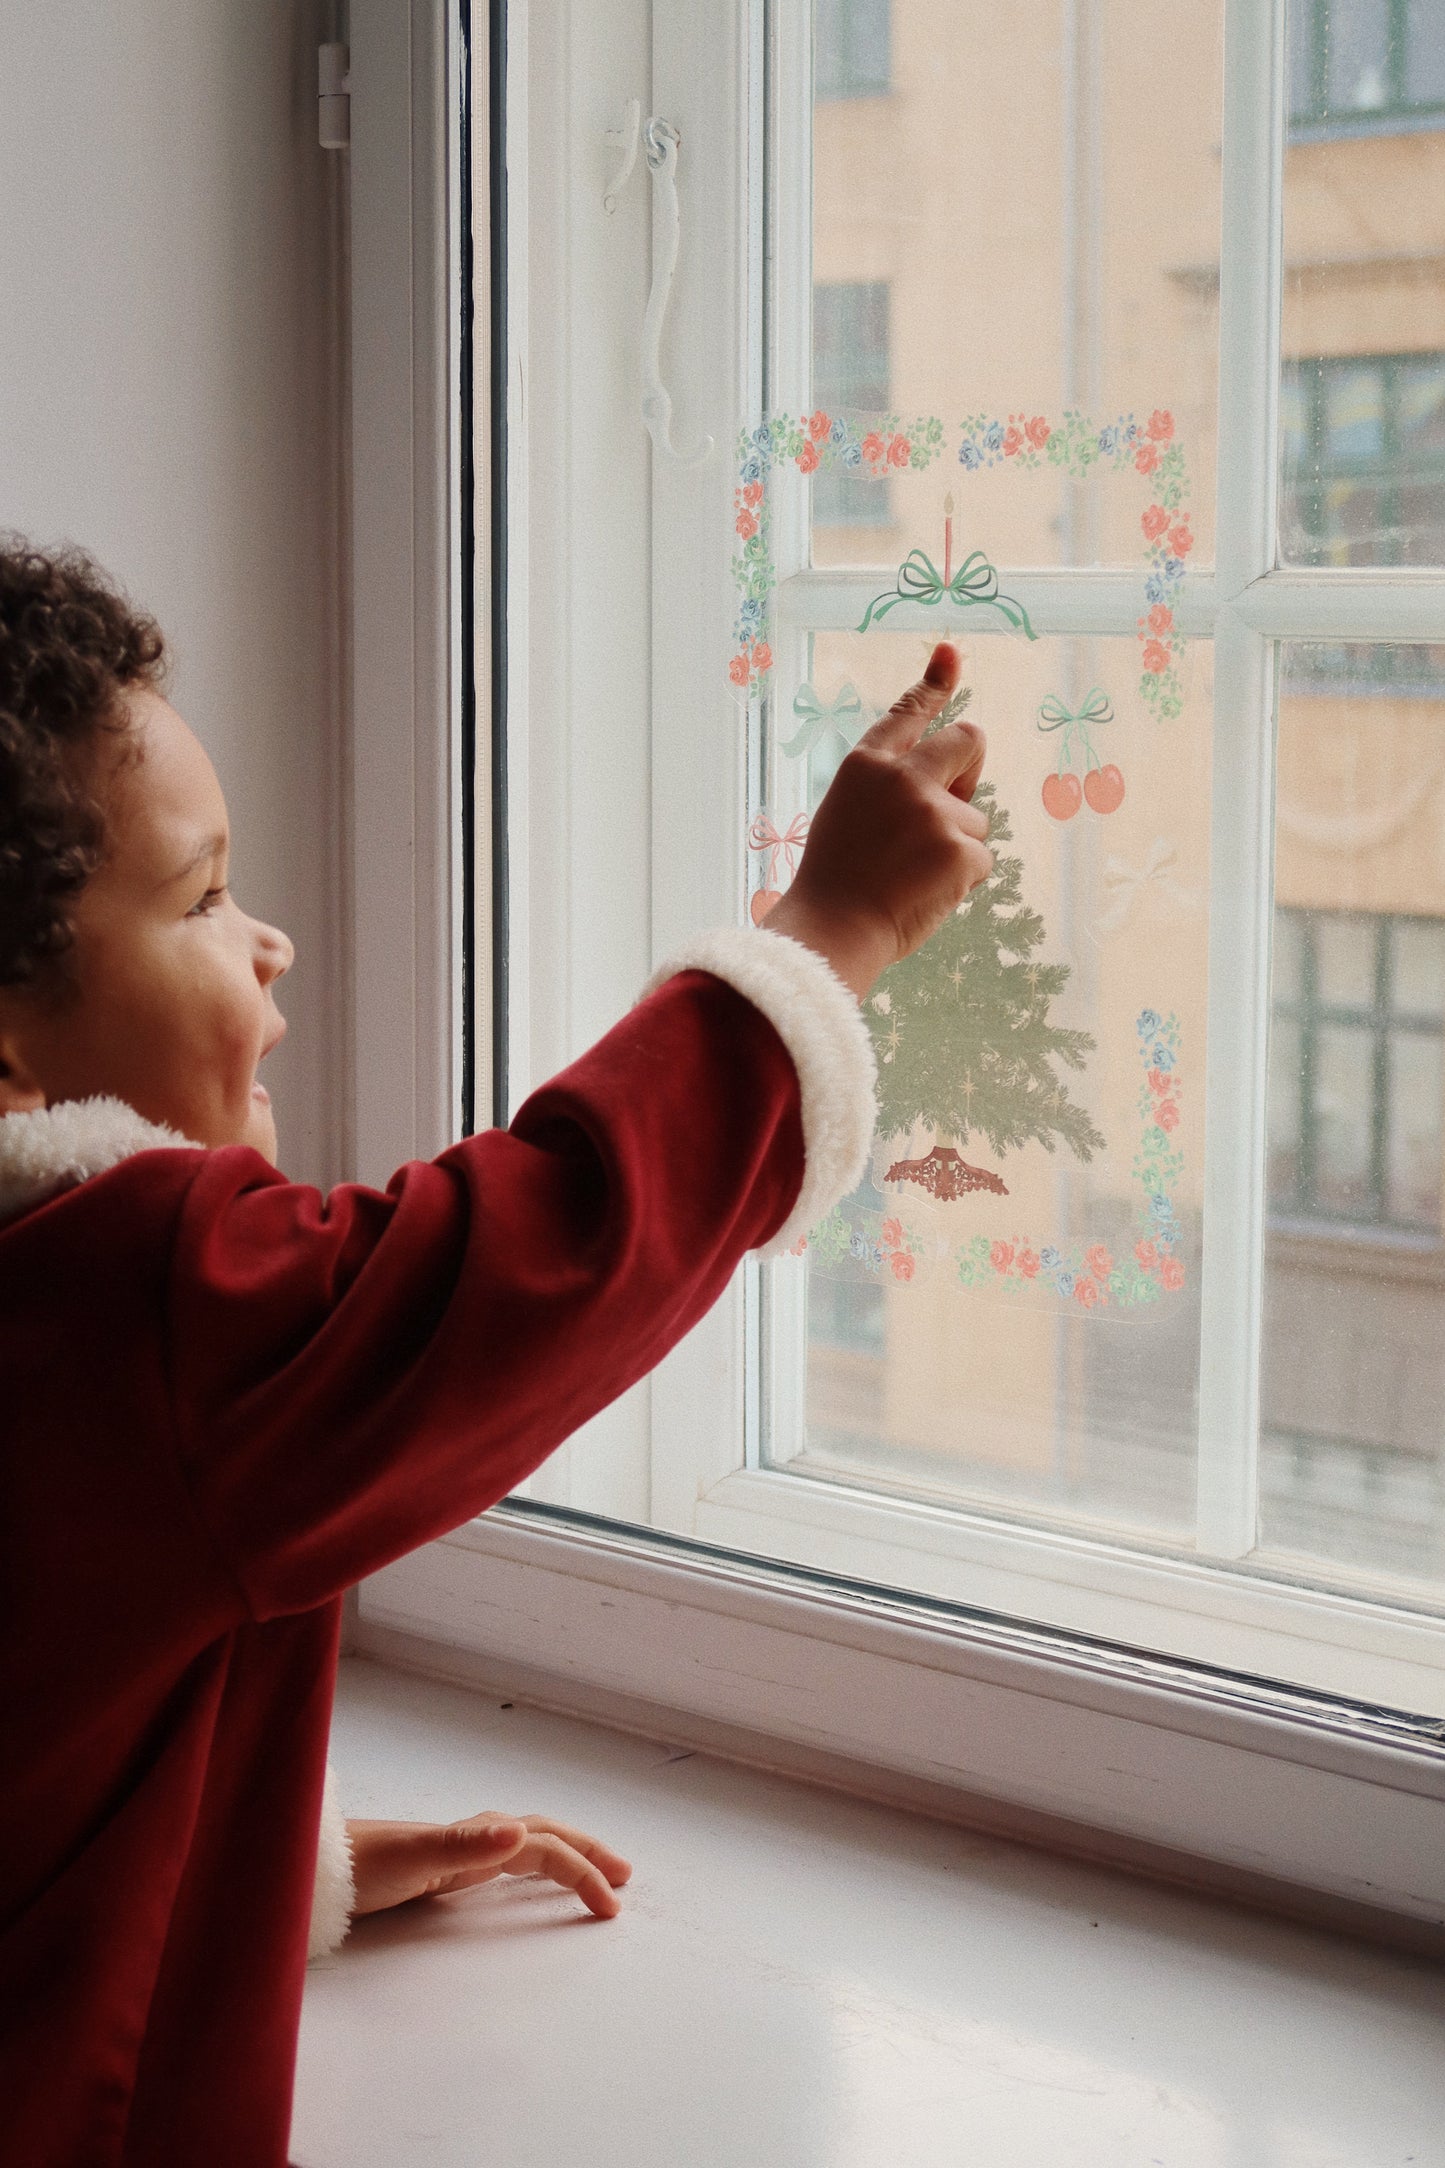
[962,1033]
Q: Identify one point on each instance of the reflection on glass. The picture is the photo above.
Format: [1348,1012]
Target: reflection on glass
[1353,1381]
[1038,242]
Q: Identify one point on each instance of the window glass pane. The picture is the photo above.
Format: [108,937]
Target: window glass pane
[1418,969]
[1343,1114]
[851,48]
[1363,468]
[1286,960]
[1353,1353]
[1412,1132]
[1345,951]
[1424,52]
[851,373]
[1286,1087]
[1049,235]
[1005,1314]
[1357,54]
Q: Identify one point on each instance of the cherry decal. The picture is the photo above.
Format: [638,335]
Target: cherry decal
[1062,796]
[1104,788]
[762,902]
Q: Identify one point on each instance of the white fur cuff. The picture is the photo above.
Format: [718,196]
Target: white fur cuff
[334,1898]
[821,1025]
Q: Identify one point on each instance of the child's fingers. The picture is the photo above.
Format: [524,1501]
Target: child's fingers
[954,757]
[612,1864]
[563,1864]
[910,715]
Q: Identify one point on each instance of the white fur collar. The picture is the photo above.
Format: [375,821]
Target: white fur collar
[55,1148]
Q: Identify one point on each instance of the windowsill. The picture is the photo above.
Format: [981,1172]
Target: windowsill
[802,1980]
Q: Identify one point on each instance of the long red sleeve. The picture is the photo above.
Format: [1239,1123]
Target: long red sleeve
[226,1398]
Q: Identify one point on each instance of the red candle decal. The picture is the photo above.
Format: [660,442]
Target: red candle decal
[948,538]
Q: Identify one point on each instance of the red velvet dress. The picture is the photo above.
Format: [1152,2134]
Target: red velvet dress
[224,1398]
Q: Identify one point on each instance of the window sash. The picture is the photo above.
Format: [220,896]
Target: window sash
[801,1636]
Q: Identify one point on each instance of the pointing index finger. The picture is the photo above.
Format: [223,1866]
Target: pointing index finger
[910,715]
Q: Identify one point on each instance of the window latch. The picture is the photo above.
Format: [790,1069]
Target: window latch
[662,141]
[333,97]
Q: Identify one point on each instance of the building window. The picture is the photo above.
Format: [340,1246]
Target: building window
[850,372]
[851,48]
[1366,65]
[1357,1069]
[1363,478]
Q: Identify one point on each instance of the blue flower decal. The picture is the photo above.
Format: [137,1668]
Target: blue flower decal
[1050,1259]
[1065,1283]
[1149,1022]
[1161,1056]
[852,454]
[969,454]
[993,437]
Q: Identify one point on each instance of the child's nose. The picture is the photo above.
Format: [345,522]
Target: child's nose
[274,954]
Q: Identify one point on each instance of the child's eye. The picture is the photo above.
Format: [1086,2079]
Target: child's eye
[206,903]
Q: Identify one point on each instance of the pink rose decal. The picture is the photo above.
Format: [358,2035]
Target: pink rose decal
[1154,522]
[1161,426]
[1171,1272]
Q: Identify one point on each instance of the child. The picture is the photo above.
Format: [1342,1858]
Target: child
[225,1398]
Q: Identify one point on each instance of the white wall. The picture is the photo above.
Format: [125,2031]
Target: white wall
[170,377]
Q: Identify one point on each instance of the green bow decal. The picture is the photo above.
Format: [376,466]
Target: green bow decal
[1097,708]
[1076,723]
[813,716]
[974,583]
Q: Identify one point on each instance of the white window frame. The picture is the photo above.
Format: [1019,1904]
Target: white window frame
[1341,1799]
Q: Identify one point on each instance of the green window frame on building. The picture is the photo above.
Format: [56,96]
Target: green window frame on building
[1357,1071]
[852,49]
[1365,67]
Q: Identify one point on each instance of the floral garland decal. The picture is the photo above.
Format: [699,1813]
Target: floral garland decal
[813,443]
[818,442]
[1086,1273]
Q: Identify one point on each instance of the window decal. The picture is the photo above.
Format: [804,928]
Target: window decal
[1086,1274]
[1103,784]
[870,446]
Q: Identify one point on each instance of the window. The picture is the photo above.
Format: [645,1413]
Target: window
[1380,63]
[1358,1039]
[1364,460]
[851,48]
[850,374]
[1038,1431]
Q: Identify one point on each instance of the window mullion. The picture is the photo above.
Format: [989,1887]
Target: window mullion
[1241,846]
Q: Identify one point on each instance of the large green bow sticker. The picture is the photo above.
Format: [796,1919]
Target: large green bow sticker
[814,715]
[974,584]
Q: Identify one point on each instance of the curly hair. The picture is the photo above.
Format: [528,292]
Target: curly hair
[70,646]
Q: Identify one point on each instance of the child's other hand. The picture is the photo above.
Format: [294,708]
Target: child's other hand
[397,1861]
[895,845]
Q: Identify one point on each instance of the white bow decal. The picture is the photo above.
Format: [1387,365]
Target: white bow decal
[1125,884]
